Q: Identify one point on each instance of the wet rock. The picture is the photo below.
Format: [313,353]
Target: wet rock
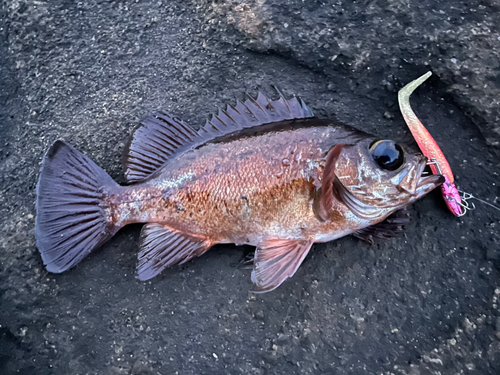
[460,44]
[89,72]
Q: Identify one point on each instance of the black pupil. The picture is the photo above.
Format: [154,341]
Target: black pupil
[388,155]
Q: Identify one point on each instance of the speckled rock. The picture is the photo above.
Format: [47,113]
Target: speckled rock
[367,41]
[88,72]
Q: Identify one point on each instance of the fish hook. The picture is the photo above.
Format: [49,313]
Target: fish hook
[468,196]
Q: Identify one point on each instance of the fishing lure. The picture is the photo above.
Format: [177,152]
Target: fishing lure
[429,147]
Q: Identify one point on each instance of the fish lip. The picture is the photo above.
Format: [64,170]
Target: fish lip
[414,173]
[427,183]
[435,179]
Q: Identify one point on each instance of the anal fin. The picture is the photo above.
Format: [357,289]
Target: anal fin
[162,247]
[276,260]
[392,226]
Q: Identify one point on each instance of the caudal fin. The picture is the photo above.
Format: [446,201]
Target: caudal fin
[71,218]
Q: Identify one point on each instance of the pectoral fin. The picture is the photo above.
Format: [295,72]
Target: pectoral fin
[276,260]
[393,226]
[161,247]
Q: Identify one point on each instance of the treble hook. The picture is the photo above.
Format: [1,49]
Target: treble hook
[467,196]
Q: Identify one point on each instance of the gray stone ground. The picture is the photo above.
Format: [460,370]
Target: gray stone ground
[88,72]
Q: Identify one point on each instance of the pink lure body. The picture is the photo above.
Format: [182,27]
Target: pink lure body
[429,147]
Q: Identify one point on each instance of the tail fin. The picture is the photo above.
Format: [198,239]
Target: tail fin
[71,218]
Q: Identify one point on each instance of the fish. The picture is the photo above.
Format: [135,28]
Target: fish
[263,172]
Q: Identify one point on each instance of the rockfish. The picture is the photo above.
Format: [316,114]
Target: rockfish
[264,172]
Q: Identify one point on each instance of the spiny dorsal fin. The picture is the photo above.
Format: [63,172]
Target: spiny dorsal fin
[162,137]
[254,112]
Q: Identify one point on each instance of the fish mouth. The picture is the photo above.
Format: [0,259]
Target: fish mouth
[427,183]
[413,180]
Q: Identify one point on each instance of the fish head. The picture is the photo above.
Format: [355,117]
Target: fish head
[380,174]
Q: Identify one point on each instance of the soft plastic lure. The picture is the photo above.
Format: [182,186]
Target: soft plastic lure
[429,147]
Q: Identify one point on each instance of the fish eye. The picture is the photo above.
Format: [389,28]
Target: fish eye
[387,154]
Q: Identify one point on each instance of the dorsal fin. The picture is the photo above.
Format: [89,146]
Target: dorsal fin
[162,137]
[159,139]
[254,112]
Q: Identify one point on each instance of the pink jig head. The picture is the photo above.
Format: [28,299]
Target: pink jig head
[451,194]
[429,147]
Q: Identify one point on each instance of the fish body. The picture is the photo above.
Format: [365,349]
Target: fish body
[264,173]
[244,190]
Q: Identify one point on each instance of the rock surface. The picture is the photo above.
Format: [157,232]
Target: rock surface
[88,72]
[376,44]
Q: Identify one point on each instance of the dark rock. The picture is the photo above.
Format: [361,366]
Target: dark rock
[368,40]
[89,71]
